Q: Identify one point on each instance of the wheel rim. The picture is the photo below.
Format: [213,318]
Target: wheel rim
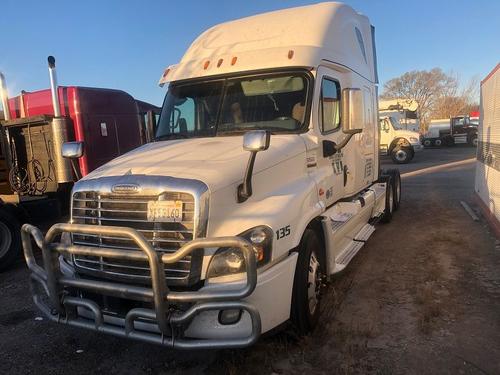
[5,239]
[391,200]
[400,155]
[313,283]
[437,143]
[398,190]
[427,143]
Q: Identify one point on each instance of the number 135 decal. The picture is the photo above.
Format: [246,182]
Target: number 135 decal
[283,232]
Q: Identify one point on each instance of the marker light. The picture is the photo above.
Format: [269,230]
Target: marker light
[233,60]
[219,63]
[207,63]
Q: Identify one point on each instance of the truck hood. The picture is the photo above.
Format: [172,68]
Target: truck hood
[217,161]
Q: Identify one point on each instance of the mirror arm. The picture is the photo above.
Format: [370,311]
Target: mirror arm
[245,189]
[346,140]
[75,169]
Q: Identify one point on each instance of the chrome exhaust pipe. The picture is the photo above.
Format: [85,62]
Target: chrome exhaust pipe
[53,86]
[5,97]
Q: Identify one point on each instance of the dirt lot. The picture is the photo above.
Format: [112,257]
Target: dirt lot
[423,296]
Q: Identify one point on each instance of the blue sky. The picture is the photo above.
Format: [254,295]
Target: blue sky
[127,44]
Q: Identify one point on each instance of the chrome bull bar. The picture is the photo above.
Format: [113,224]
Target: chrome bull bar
[171,323]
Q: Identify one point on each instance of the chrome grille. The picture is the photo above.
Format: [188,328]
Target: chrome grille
[131,211]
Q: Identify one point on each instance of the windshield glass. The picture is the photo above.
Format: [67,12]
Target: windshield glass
[394,123]
[274,102]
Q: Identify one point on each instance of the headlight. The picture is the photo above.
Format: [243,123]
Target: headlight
[414,140]
[229,261]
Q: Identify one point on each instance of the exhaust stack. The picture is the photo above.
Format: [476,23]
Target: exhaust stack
[53,86]
[5,97]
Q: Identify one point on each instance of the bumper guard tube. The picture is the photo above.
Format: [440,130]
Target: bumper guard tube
[60,307]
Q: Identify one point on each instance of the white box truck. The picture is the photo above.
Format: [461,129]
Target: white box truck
[404,111]
[401,145]
[487,186]
[263,180]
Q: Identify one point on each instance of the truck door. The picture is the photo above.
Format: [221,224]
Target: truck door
[329,128]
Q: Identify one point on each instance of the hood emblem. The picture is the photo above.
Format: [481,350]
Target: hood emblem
[125,188]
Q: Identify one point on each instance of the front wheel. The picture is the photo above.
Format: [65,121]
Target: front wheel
[402,155]
[307,284]
[10,239]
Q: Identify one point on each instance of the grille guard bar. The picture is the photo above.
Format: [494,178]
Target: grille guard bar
[170,323]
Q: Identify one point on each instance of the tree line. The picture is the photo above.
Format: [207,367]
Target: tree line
[438,94]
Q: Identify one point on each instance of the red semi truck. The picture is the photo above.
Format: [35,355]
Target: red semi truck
[35,178]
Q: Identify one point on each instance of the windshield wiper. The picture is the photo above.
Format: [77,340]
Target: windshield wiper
[168,136]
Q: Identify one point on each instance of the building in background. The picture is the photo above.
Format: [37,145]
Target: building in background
[487,186]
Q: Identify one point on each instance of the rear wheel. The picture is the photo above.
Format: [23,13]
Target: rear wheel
[438,142]
[396,187]
[389,201]
[427,143]
[307,284]
[10,239]
[402,155]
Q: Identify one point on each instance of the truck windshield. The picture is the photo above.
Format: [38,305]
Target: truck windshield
[395,123]
[220,107]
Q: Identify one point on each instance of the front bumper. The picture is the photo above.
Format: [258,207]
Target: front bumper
[59,304]
[417,147]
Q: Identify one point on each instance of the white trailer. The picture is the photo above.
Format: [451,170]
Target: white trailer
[263,180]
[487,186]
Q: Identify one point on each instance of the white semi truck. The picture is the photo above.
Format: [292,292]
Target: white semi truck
[263,180]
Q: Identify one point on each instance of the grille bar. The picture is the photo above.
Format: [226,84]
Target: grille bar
[131,248]
[166,240]
[109,264]
[121,219]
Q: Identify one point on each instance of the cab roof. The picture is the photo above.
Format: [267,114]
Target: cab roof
[295,37]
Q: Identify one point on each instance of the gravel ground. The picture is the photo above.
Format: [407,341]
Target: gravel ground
[423,296]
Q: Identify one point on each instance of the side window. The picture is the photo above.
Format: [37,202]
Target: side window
[183,117]
[330,105]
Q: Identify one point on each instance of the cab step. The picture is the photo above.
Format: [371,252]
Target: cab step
[347,225]
[352,249]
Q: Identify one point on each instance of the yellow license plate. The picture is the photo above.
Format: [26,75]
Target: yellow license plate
[165,211]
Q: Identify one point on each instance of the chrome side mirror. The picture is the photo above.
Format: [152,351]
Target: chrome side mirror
[353,111]
[253,141]
[72,150]
[256,140]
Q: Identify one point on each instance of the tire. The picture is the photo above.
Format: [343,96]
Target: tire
[10,239]
[473,141]
[427,143]
[310,269]
[389,201]
[402,155]
[438,142]
[396,187]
